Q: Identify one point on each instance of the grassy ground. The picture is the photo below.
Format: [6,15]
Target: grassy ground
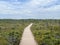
[11,31]
[46,32]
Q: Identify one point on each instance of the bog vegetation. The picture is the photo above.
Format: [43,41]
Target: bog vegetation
[11,31]
[46,32]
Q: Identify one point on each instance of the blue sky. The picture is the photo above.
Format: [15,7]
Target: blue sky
[25,9]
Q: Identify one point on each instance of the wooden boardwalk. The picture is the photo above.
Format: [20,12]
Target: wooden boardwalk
[27,37]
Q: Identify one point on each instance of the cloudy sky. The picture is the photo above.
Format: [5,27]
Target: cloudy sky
[24,9]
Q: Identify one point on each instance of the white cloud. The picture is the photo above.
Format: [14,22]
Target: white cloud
[32,8]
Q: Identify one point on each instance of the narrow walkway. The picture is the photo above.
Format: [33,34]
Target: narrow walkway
[27,37]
